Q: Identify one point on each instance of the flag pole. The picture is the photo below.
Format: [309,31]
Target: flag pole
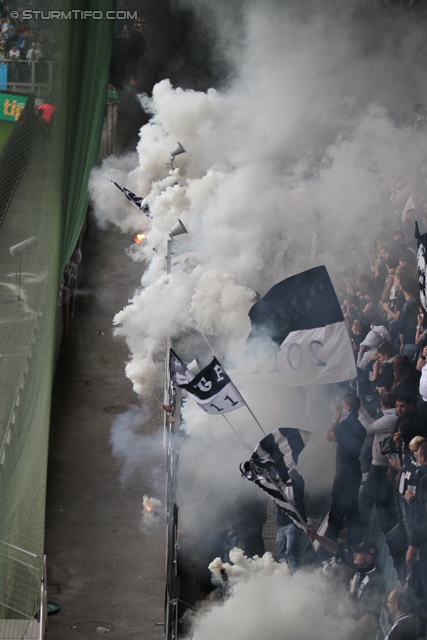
[245,444]
[297,513]
[206,340]
[254,416]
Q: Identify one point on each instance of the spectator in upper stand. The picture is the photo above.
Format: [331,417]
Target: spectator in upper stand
[405,380]
[416,426]
[421,332]
[422,366]
[418,545]
[382,370]
[368,293]
[368,350]
[417,191]
[377,489]
[349,277]
[350,309]
[359,331]
[393,306]
[410,472]
[10,29]
[350,436]
[400,608]
[411,216]
[408,259]
[358,256]
[380,264]
[32,52]
[14,54]
[408,319]
[418,498]
[366,588]
[21,43]
[392,262]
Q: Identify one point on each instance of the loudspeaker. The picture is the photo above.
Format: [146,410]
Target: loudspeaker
[177,229]
[177,150]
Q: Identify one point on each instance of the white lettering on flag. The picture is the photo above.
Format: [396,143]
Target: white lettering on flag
[311,356]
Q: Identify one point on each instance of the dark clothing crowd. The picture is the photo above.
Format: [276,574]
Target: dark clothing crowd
[380,428]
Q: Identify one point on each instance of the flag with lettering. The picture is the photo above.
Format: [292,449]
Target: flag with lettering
[422,265]
[211,388]
[298,334]
[137,201]
[270,467]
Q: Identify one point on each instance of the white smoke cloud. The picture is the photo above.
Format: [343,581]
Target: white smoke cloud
[265,601]
[301,140]
[282,147]
[132,441]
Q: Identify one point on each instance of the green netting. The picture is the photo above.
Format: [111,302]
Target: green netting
[44,167]
[90,88]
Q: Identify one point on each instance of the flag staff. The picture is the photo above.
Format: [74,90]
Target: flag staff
[254,416]
[245,444]
[206,340]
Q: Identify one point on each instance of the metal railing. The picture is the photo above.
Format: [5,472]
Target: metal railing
[28,76]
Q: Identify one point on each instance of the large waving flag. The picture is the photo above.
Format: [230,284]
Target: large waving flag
[269,466]
[298,333]
[211,388]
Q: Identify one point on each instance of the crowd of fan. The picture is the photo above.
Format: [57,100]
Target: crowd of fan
[19,39]
[381,427]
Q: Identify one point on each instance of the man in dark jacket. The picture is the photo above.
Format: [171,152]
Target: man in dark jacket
[418,499]
[366,588]
[349,434]
[404,622]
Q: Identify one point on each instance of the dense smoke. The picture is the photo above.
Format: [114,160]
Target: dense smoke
[291,157]
[289,608]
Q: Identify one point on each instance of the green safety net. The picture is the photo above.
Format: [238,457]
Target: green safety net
[90,88]
[44,169]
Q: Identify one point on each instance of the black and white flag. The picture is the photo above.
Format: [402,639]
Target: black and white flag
[179,373]
[300,321]
[211,388]
[269,466]
[422,265]
[137,201]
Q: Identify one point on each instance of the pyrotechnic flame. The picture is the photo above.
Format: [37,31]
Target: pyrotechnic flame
[139,238]
[150,514]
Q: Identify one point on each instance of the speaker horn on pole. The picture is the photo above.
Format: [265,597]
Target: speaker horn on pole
[177,150]
[177,229]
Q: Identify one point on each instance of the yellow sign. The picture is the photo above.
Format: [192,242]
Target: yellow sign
[11,106]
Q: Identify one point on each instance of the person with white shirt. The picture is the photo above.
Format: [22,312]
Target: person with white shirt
[377,490]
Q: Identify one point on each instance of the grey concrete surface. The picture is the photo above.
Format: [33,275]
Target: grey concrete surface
[102,570]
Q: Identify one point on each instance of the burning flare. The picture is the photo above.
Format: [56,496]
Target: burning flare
[139,238]
[150,514]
